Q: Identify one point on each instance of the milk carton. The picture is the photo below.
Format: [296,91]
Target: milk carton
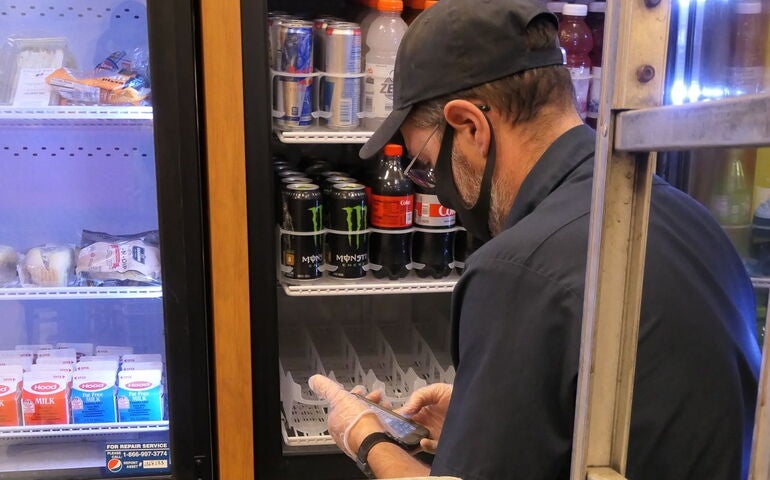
[93,397]
[60,352]
[143,357]
[99,358]
[127,367]
[140,396]
[35,348]
[97,365]
[10,393]
[112,350]
[61,368]
[81,349]
[62,360]
[44,398]
[17,357]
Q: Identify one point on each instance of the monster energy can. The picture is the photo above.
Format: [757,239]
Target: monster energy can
[302,252]
[348,244]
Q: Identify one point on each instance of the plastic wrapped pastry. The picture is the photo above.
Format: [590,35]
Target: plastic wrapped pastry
[48,266]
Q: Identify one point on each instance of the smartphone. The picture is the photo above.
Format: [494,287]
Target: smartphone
[407,433]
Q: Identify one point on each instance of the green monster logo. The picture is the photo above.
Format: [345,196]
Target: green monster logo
[360,211]
[317,212]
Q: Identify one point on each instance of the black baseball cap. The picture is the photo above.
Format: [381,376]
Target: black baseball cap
[459,44]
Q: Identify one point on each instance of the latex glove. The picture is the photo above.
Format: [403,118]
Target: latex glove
[345,409]
[428,406]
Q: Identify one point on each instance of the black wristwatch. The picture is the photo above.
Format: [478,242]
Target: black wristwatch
[363,451]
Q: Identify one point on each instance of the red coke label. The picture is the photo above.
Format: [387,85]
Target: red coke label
[428,212]
[391,212]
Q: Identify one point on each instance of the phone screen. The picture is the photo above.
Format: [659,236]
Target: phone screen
[406,431]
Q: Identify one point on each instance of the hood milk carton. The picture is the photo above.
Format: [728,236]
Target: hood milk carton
[93,397]
[142,357]
[127,367]
[63,360]
[100,358]
[140,396]
[56,353]
[97,365]
[35,348]
[81,349]
[44,398]
[10,393]
[112,350]
[17,357]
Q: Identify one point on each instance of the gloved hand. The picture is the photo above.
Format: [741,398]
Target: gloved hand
[345,409]
[428,406]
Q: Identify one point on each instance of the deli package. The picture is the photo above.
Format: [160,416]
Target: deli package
[119,260]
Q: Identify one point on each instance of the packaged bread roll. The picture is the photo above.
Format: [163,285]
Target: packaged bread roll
[8,262]
[48,266]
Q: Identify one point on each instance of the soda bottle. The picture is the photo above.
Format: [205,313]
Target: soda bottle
[745,74]
[760,222]
[556,8]
[390,208]
[731,202]
[577,40]
[383,38]
[433,240]
[595,21]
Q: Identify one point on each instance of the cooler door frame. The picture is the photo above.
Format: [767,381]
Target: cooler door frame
[632,128]
[181,201]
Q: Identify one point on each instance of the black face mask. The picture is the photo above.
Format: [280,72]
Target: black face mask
[476,218]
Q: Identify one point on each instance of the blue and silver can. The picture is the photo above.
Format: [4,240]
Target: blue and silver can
[341,96]
[294,94]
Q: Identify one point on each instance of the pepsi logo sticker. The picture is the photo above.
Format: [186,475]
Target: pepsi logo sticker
[114,465]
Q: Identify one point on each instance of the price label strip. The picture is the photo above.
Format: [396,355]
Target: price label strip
[135,459]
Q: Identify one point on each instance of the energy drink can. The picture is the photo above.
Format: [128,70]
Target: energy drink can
[319,34]
[347,253]
[341,96]
[302,250]
[326,191]
[286,181]
[294,95]
[274,20]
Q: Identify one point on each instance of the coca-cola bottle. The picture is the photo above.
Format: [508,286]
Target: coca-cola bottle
[465,245]
[390,209]
[433,240]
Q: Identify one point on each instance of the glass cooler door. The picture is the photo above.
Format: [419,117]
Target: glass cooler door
[84,386]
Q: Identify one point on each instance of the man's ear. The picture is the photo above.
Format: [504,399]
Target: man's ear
[471,128]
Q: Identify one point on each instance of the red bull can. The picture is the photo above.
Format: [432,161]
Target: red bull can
[274,20]
[341,96]
[294,95]
[319,34]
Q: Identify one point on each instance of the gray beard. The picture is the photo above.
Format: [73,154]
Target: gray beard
[468,183]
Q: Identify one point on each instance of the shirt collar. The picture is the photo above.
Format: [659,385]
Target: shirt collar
[571,149]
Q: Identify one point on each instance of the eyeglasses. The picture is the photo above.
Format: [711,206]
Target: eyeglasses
[423,177]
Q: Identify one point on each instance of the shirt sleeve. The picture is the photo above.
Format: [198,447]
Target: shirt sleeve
[516,348]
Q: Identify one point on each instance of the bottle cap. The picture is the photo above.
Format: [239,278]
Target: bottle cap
[597,7]
[393,150]
[416,4]
[748,8]
[574,10]
[429,3]
[555,7]
[390,5]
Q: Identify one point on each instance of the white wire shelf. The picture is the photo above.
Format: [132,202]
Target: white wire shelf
[79,293]
[330,286]
[80,430]
[760,282]
[318,134]
[75,116]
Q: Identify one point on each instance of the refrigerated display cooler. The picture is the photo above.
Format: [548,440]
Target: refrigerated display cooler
[103,346]
[391,335]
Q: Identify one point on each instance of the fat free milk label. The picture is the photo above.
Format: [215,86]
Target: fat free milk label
[44,398]
[93,397]
[140,396]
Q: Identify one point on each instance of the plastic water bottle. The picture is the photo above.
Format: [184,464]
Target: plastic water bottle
[383,38]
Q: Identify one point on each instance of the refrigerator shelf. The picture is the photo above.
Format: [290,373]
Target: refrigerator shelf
[79,293]
[75,116]
[317,134]
[329,286]
[79,430]
[760,282]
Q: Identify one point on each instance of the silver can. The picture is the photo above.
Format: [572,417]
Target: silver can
[319,40]
[341,96]
[293,93]
[274,20]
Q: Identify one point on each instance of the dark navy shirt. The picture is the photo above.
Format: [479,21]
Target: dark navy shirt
[516,322]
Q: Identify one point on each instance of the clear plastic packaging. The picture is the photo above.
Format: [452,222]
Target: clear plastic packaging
[9,277]
[119,260]
[47,266]
[25,62]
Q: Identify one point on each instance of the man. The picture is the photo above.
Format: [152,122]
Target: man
[482,98]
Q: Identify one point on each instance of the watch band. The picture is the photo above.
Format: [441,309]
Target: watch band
[363,451]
